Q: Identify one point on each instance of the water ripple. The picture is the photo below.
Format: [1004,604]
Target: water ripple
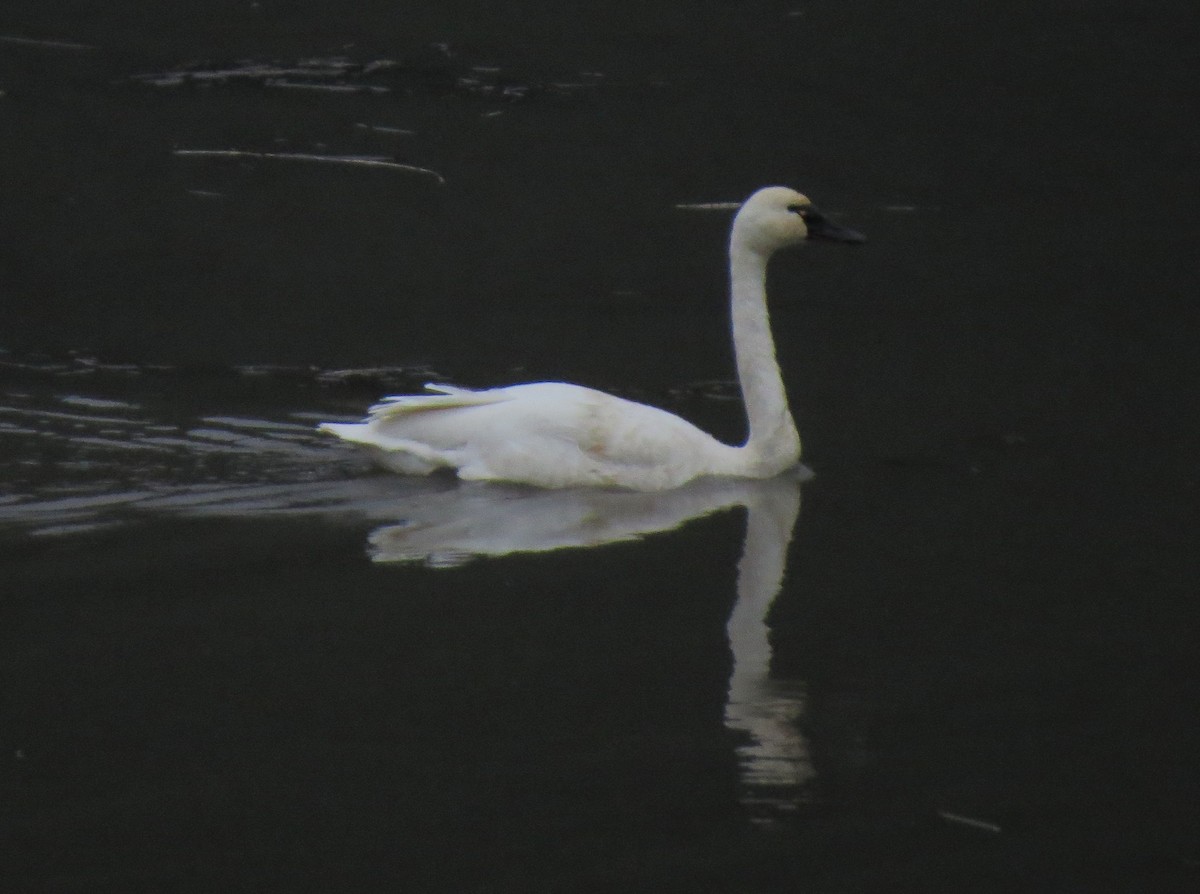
[87,445]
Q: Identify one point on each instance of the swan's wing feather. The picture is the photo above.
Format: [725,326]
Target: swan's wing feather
[548,433]
[446,398]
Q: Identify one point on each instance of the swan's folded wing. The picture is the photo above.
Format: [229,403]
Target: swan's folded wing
[447,397]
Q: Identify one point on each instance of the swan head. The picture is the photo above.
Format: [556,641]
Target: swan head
[776,216]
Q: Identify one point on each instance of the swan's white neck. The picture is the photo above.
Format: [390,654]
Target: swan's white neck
[773,444]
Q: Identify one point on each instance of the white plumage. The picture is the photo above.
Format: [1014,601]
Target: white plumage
[553,434]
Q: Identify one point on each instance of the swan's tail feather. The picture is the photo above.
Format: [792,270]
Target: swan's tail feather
[353,432]
[402,455]
[446,397]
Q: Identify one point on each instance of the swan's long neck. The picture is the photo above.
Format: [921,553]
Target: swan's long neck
[773,444]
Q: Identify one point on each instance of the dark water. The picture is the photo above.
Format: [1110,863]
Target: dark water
[235,658]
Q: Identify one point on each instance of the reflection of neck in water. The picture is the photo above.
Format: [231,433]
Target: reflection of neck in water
[775,763]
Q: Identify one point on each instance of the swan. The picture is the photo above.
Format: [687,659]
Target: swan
[556,435]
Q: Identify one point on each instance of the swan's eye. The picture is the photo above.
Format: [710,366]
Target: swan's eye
[810,215]
[807,213]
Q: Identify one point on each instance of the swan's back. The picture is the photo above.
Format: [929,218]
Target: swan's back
[548,434]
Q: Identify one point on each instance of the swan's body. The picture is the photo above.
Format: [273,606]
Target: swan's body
[552,434]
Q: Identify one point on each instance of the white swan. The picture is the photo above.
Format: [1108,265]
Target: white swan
[551,434]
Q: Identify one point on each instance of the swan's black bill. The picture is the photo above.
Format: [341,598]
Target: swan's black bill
[821,227]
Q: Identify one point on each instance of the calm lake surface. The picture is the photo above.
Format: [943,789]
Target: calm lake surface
[957,653]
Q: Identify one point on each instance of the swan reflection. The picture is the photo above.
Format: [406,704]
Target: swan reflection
[444,523]
[469,521]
